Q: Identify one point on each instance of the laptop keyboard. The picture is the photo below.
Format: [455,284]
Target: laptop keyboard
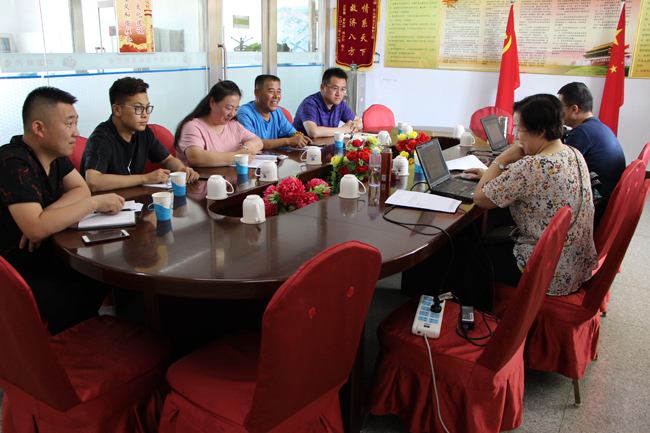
[457,186]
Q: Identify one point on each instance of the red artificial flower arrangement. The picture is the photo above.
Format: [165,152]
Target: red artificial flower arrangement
[290,194]
[408,142]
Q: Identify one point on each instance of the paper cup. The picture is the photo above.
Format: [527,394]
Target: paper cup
[163,199]
[242,163]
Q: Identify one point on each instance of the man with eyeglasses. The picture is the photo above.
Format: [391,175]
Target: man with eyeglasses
[117,150]
[320,114]
[597,143]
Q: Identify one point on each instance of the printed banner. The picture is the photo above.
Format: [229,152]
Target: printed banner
[134,26]
[356,33]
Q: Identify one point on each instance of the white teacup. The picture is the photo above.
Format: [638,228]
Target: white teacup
[458,131]
[350,187]
[311,155]
[467,139]
[384,138]
[253,210]
[218,187]
[402,166]
[407,129]
[163,199]
[179,178]
[267,172]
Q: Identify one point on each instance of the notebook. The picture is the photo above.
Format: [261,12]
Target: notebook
[98,220]
[437,173]
[494,133]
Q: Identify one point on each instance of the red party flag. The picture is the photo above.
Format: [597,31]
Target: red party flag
[615,81]
[509,72]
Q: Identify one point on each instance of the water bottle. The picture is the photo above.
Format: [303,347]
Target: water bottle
[375,167]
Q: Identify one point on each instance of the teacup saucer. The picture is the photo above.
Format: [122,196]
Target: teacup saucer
[250,222]
[216,198]
[350,198]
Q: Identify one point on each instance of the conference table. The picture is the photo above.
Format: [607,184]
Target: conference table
[206,252]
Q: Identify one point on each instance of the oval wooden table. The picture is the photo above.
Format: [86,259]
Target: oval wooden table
[206,252]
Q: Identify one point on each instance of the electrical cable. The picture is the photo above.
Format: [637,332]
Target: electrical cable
[433,378]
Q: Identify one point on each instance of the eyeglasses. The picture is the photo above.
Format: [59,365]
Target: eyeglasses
[336,89]
[139,109]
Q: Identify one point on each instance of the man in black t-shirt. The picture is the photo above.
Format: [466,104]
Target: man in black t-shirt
[118,149]
[41,193]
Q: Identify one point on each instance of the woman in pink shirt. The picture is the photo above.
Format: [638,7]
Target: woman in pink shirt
[211,136]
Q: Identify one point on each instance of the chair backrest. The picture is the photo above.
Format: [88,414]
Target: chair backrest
[619,204]
[532,288]
[378,118]
[27,361]
[287,114]
[310,332]
[645,154]
[167,139]
[78,152]
[476,126]
[598,286]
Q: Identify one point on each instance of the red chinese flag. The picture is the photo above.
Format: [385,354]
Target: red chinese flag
[615,81]
[509,72]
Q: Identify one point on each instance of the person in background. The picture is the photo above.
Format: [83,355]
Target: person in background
[211,136]
[320,114]
[597,143]
[534,179]
[263,118]
[117,150]
[41,193]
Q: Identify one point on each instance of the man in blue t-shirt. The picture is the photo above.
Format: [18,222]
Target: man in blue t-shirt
[597,143]
[319,114]
[263,118]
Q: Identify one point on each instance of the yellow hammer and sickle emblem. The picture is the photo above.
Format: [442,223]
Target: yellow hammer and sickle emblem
[507,44]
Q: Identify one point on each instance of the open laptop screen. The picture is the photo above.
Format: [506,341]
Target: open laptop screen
[432,162]
[494,133]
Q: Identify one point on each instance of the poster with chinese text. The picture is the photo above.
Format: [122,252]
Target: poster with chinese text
[134,26]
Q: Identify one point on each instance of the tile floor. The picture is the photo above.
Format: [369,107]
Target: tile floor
[615,389]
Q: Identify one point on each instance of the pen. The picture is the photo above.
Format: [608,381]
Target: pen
[123,210]
[244,146]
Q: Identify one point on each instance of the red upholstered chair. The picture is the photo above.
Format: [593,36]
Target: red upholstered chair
[378,118]
[287,114]
[102,375]
[167,139]
[619,203]
[287,379]
[477,128]
[645,154]
[564,336]
[78,152]
[480,389]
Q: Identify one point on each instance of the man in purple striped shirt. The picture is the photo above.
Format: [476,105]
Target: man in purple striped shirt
[319,114]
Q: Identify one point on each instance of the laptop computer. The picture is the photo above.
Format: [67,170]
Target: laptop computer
[494,133]
[437,173]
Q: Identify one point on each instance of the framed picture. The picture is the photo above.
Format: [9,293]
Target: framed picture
[7,43]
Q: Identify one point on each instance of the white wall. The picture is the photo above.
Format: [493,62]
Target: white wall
[432,97]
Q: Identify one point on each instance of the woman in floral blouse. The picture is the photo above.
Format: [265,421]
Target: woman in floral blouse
[535,178]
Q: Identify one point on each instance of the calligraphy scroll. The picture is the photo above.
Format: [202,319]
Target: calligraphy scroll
[356,32]
[134,26]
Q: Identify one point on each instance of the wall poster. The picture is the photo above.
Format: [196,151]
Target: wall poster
[134,26]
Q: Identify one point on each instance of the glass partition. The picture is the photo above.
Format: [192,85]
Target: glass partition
[45,46]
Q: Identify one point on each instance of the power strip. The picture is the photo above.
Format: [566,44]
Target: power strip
[427,322]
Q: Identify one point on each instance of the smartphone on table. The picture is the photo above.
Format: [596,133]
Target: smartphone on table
[105,236]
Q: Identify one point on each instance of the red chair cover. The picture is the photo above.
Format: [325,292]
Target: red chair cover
[287,114]
[476,126]
[78,152]
[480,389]
[378,118]
[288,379]
[645,154]
[102,375]
[167,139]
[564,336]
